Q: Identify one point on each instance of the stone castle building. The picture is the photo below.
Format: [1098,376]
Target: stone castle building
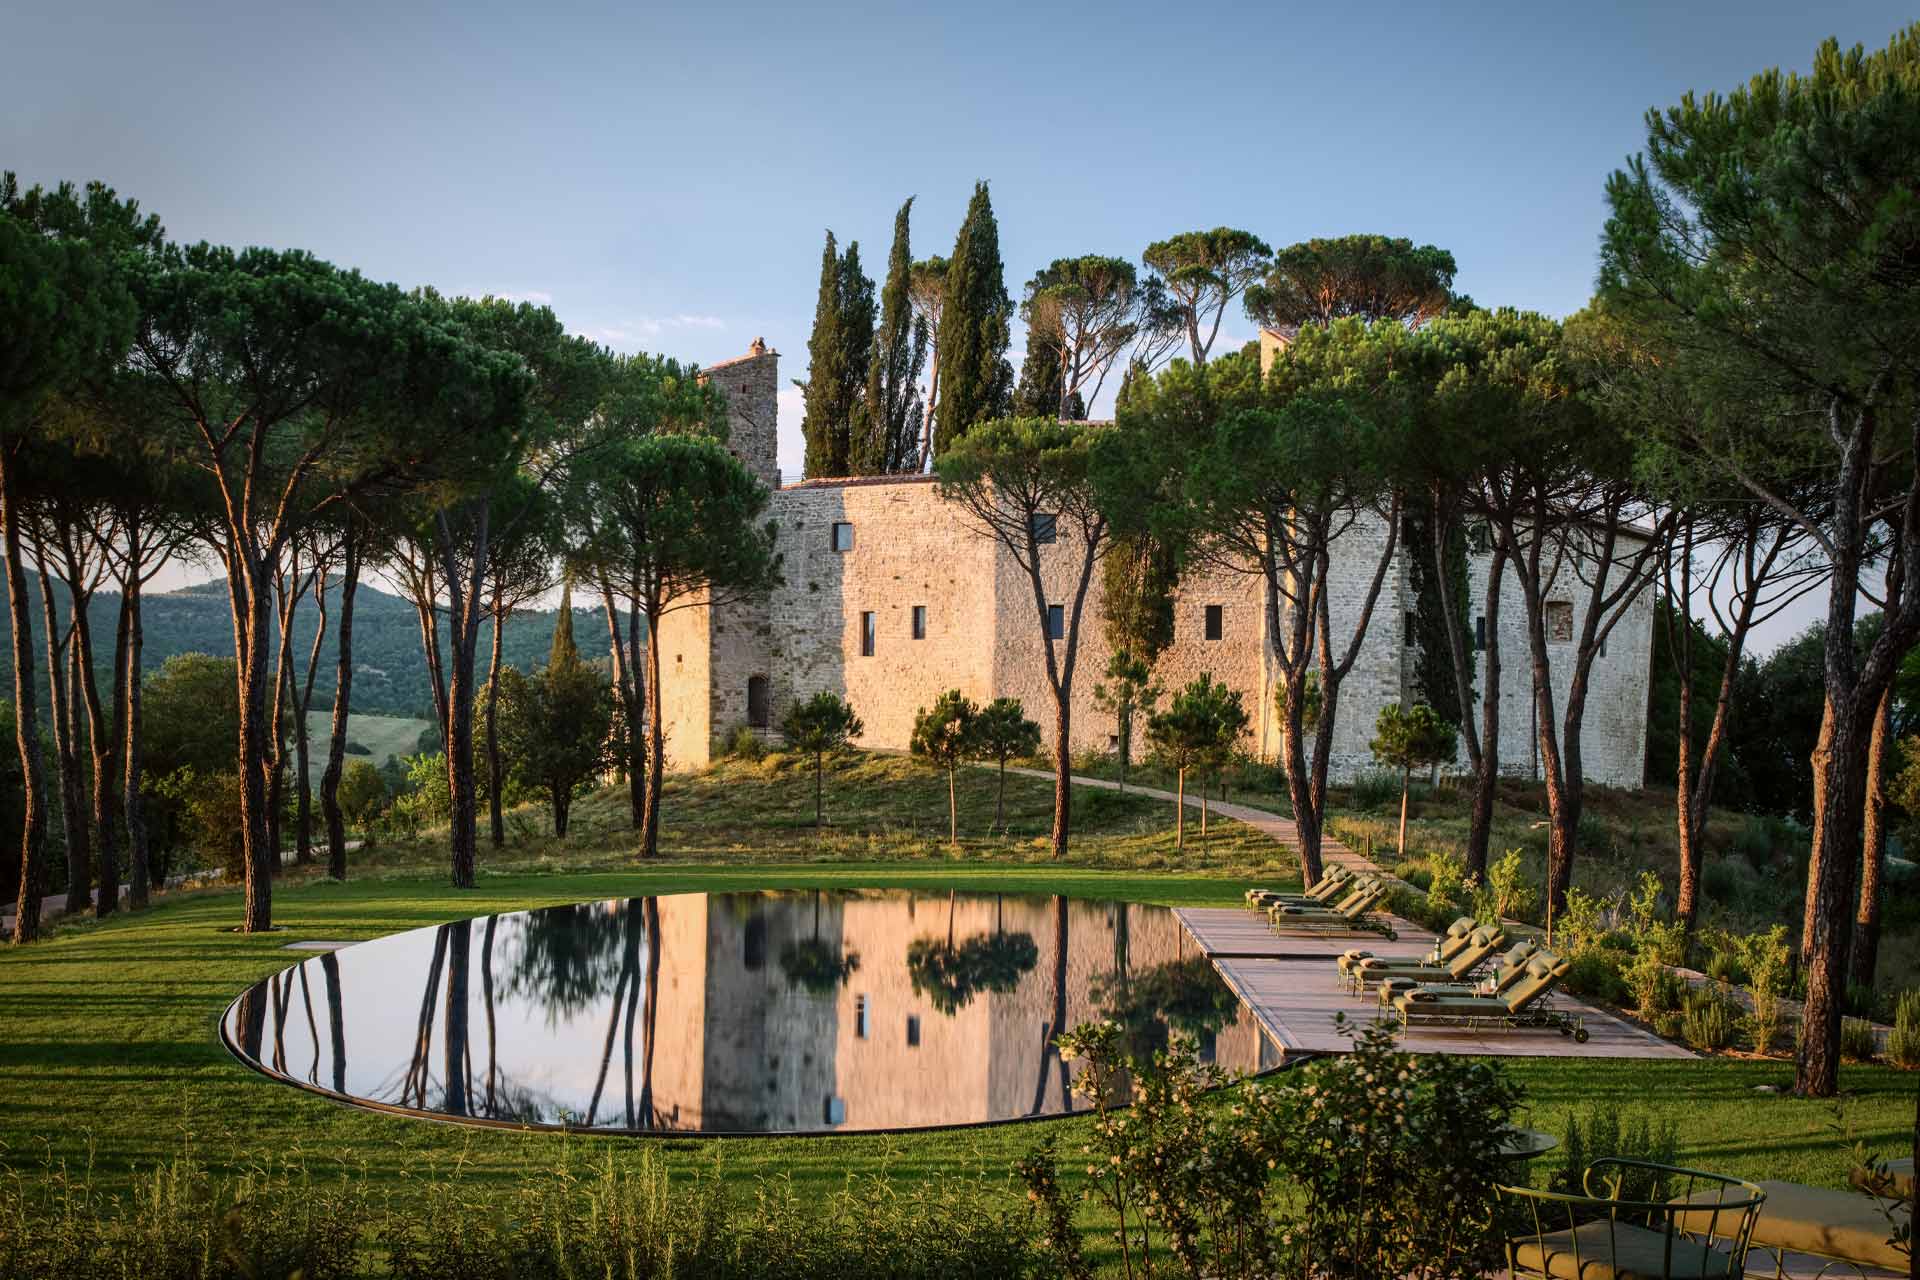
[890,598]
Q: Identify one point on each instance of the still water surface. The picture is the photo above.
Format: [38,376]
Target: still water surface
[770,1012]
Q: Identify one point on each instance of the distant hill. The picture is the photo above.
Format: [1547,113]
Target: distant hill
[390,674]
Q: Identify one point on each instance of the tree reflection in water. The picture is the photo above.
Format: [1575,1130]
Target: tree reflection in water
[1150,1005]
[815,966]
[566,958]
[949,975]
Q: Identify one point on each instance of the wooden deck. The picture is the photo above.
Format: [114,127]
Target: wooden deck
[1290,983]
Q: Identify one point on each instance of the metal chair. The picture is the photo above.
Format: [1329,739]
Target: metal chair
[1702,1233]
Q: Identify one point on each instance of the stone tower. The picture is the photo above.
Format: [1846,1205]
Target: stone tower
[752,386]
[716,664]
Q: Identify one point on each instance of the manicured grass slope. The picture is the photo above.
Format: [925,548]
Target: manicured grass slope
[109,1057]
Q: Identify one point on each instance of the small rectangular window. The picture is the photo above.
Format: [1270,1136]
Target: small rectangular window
[1216,621]
[1479,632]
[1413,628]
[862,1022]
[1044,526]
[1056,622]
[866,635]
[919,622]
[913,1031]
[842,536]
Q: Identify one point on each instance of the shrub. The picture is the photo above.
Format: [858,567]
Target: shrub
[363,794]
[1596,974]
[1392,1157]
[1856,1040]
[1903,1045]
[1374,789]
[744,744]
[1580,926]
[1447,883]
[1708,1018]
[1719,882]
[1513,893]
[1767,961]
[1600,1135]
[1655,988]
[1754,842]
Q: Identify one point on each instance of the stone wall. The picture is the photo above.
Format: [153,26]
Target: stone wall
[752,386]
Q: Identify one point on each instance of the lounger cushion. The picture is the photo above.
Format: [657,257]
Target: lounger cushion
[1439,1000]
[1618,1251]
[1832,1224]
[1899,1172]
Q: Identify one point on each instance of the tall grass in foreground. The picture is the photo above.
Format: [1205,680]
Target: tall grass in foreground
[611,1220]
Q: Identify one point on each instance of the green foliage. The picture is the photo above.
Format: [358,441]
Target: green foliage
[1710,1017]
[1003,731]
[363,794]
[1373,790]
[1372,277]
[744,743]
[1390,1160]
[1903,1043]
[944,735]
[1433,679]
[1655,988]
[1198,730]
[555,728]
[613,1219]
[424,797]
[1599,1134]
[208,805]
[1412,737]
[821,724]
[1597,975]
[976,383]
[1767,961]
[1204,271]
[1514,895]
[1127,693]
[190,714]
[838,356]
[891,411]
[1857,1040]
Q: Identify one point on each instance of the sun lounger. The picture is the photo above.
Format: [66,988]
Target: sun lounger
[1353,915]
[1481,946]
[1601,1236]
[1448,946]
[1328,886]
[1525,1005]
[1841,1226]
[1508,969]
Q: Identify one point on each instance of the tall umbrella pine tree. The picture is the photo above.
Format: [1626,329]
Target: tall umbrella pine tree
[63,317]
[1036,487]
[1277,473]
[976,382]
[1774,226]
[644,395]
[674,526]
[563,377]
[1205,272]
[296,387]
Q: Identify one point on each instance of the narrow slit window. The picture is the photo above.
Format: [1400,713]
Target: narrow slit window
[842,536]
[1216,621]
[1480,632]
[866,635]
[919,622]
[1056,622]
[862,1017]
[913,1031]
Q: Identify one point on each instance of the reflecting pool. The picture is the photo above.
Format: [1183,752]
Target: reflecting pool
[773,1012]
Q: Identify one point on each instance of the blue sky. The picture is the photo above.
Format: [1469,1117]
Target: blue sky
[663,176]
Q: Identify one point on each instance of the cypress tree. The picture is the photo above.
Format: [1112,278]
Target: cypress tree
[1433,682]
[976,382]
[890,441]
[563,653]
[854,424]
[825,376]
[1038,393]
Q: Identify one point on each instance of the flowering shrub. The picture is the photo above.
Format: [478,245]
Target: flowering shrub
[1382,1164]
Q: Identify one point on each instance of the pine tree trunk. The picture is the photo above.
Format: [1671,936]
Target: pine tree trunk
[250,585]
[562,802]
[1406,777]
[302,791]
[1000,800]
[1062,772]
[1486,779]
[1180,809]
[953,811]
[33,829]
[1831,888]
[73,819]
[496,817]
[656,747]
[1863,951]
[104,750]
[342,702]
[133,757]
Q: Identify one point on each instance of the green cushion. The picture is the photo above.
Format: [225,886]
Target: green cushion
[1899,1172]
[1818,1220]
[1440,1000]
[1616,1251]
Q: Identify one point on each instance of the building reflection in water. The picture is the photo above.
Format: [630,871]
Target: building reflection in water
[809,1011]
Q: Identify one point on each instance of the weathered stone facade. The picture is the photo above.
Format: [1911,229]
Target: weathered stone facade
[905,552]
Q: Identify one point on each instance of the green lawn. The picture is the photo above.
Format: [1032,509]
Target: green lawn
[109,1059]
